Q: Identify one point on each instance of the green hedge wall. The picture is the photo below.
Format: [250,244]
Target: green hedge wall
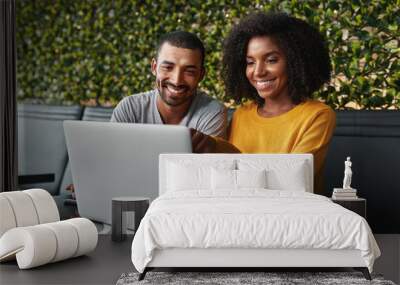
[98,51]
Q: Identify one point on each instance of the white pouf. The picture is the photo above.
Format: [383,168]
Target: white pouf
[26,208]
[46,207]
[7,218]
[32,233]
[37,245]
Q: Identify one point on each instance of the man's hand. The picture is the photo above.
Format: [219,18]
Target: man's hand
[202,143]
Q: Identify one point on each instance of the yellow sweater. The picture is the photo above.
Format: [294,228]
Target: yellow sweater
[307,128]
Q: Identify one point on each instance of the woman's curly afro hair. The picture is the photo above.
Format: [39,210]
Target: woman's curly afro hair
[308,63]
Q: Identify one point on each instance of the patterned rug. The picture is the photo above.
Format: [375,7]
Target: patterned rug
[243,278]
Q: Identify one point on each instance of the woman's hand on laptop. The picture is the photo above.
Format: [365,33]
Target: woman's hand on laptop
[202,143]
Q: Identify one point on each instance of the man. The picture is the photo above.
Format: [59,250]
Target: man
[178,68]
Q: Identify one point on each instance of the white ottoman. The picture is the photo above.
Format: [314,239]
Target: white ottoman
[31,231]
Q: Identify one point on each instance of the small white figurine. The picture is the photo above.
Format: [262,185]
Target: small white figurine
[347,174]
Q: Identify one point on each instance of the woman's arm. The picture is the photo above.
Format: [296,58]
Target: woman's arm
[202,143]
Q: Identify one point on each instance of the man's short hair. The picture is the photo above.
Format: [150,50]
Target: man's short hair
[182,39]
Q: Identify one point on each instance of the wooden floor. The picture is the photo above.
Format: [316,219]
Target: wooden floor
[110,260]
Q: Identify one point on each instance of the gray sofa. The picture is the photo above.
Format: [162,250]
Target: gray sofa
[371,138]
[42,152]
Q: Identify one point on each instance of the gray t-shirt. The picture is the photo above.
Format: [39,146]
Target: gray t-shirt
[205,114]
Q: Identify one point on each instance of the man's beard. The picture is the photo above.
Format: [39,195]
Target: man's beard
[175,101]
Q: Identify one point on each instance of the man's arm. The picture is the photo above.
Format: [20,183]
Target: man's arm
[216,125]
[211,136]
[202,143]
[212,119]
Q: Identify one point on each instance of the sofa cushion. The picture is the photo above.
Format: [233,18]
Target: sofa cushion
[41,143]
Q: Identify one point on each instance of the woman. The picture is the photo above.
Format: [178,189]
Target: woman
[272,65]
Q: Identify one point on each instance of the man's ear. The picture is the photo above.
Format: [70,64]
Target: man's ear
[154,66]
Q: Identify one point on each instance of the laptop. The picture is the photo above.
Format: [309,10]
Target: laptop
[118,159]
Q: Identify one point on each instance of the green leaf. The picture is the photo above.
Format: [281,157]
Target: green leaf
[71,51]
